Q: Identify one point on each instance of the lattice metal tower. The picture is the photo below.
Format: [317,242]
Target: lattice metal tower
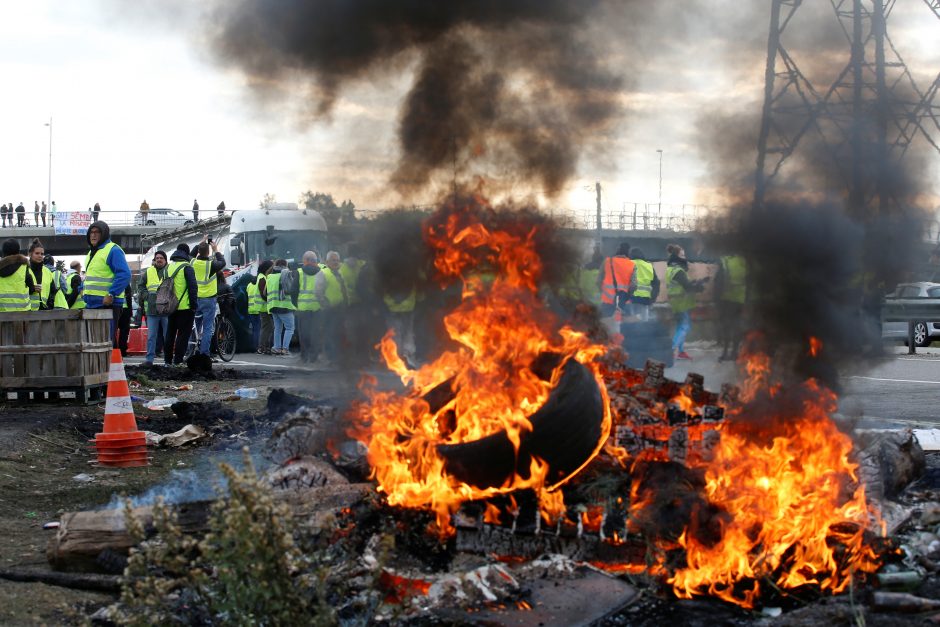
[867,118]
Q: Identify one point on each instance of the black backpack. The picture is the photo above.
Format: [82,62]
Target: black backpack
[166,301]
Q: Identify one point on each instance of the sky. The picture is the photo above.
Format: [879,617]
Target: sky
[141,109]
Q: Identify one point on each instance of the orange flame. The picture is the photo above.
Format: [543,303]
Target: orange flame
[500,327]
[789,486]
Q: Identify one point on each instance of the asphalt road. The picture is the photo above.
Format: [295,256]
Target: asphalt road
[897,391]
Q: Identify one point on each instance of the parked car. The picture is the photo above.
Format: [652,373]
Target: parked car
[924,331]
[163,217]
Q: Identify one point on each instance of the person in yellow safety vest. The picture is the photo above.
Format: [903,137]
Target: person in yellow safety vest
[255,307]
[266,340]
[150,281]
[617,282]
[206,269]
[308,316]
[282,290]
[58,280]
[589,279]
[647,286]
[350,269]
[73,286]
[16,284]
[44,288]
[400,318]
[107,274]
[730,296]
[179,325]
[681,291]
[330,291]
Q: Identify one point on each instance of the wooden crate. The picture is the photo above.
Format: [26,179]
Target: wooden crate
[62,350]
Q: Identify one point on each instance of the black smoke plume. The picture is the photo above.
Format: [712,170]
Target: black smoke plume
[840,224]
[515,84]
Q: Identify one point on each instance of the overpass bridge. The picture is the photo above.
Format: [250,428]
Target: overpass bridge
[133,238]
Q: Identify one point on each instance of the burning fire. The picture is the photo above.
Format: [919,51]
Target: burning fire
[500,328]
[796,514]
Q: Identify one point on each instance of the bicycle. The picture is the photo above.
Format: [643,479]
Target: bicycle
[223,340]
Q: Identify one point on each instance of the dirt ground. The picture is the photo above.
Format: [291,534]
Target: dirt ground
[45,451]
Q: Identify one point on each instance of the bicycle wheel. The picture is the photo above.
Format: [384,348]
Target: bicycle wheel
[225,338]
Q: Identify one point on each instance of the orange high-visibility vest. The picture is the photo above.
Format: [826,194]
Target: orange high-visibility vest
[619,268]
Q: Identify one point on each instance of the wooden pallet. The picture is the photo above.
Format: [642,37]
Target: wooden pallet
[46,353]
[87,395]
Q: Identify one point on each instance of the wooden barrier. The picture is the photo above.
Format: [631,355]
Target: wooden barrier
[62,350]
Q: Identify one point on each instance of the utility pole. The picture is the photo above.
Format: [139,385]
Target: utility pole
[49,188]
[659,211]
[597,188]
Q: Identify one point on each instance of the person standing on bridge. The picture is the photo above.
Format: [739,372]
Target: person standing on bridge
[20,214]
[95,212]
[43,213]
[52,211]
[3,214]
[107,274]
[221,208]
[195,210]
[35,213]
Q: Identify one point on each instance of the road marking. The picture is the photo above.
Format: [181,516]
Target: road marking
[894,380]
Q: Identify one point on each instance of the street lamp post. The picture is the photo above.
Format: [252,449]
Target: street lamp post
[659,217]
[49,188]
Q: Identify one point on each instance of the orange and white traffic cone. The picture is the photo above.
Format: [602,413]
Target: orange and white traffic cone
[120,444]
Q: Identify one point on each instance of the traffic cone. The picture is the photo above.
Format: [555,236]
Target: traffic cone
[120,444]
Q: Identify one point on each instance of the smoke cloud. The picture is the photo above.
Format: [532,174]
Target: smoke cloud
[518,85]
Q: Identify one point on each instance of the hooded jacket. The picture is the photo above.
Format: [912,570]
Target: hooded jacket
[116,260]
[189,275]
[12,263]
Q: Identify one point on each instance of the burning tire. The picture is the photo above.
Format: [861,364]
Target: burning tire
[565,434]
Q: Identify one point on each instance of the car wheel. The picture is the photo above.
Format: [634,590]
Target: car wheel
[151,223]
[921,338]
[187,223]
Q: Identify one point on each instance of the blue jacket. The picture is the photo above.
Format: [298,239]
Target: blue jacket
[117,261]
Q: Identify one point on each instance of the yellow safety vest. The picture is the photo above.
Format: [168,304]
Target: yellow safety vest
[179,284]
[590,290]
[14,294]
[334,291]
[350,276]
[154,279]
[733,287]
[401,306]
[644,278]
[306,301]
[274,286]
[45,283]
[208,285]
[80,299]
[255,302]
[98,275]
[679,299]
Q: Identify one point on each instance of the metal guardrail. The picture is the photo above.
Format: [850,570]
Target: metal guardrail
[124,218]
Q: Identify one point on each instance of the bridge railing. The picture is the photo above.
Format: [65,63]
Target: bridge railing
[114,218]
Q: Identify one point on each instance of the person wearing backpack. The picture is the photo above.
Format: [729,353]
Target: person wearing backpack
[156,323]
[207,270]
[107,274]
[180,324]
